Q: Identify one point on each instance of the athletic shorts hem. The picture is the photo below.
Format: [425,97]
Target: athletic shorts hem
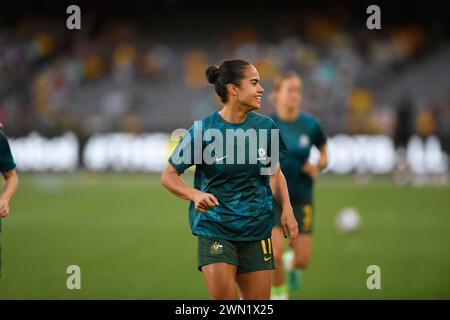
[243,270]
[199,267]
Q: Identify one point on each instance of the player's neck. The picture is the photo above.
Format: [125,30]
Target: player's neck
[232,113]
[288,114]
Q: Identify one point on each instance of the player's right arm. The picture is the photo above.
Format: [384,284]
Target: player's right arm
[11,183]
[313,170]
[172,180]
[281,194]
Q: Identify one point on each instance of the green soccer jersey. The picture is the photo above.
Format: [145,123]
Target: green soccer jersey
[6,159]
[299,135]
[232,174]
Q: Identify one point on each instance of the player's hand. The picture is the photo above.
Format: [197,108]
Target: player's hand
[289,225]
[4,208]
[203,201]
[310,169]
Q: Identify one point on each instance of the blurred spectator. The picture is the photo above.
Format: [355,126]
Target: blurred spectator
[404,118]
[425,123]
[115,71]
[360,105]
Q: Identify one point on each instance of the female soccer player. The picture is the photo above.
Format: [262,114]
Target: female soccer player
[231,208]
[7,168]
[300,131]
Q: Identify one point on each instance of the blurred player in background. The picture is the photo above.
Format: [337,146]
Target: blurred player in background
[7,168]
[401,172]
[231,209]
[300,131]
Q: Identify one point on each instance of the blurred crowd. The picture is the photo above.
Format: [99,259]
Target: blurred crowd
[135,75]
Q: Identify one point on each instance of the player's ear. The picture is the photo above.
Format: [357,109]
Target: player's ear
[232,89]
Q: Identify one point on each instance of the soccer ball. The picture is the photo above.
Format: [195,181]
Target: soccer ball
[347,220]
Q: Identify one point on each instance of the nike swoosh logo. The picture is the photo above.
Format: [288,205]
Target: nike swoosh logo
[267,258]
[219,159]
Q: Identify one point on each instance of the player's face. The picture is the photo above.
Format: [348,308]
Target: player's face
[290,93]
[250,90]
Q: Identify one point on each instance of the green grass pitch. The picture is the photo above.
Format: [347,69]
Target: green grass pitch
[131,239]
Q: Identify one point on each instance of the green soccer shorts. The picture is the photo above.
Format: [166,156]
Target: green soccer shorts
[248,256]
[304,214]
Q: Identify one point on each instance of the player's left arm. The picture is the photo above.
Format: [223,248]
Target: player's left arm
[320,141]
[323,160]
[313,170]
[280,192]
[10,187]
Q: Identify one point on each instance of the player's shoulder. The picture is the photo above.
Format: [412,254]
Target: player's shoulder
[274,117]
[3,136]
[3,141]
[261,119]
[309,118]
[208,121]
[210,117]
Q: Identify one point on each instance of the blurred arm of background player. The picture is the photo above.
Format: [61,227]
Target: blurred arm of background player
[11,183]
[313,170]
[280,192]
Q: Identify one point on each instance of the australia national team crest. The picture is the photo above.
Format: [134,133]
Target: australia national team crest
[261,154]
[304,141]
[216,248]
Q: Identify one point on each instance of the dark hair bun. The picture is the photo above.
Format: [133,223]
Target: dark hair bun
[212,73]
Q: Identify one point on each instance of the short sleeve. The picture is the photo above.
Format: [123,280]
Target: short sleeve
[282,149]
[6,159]
[182,156]
[319,139]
